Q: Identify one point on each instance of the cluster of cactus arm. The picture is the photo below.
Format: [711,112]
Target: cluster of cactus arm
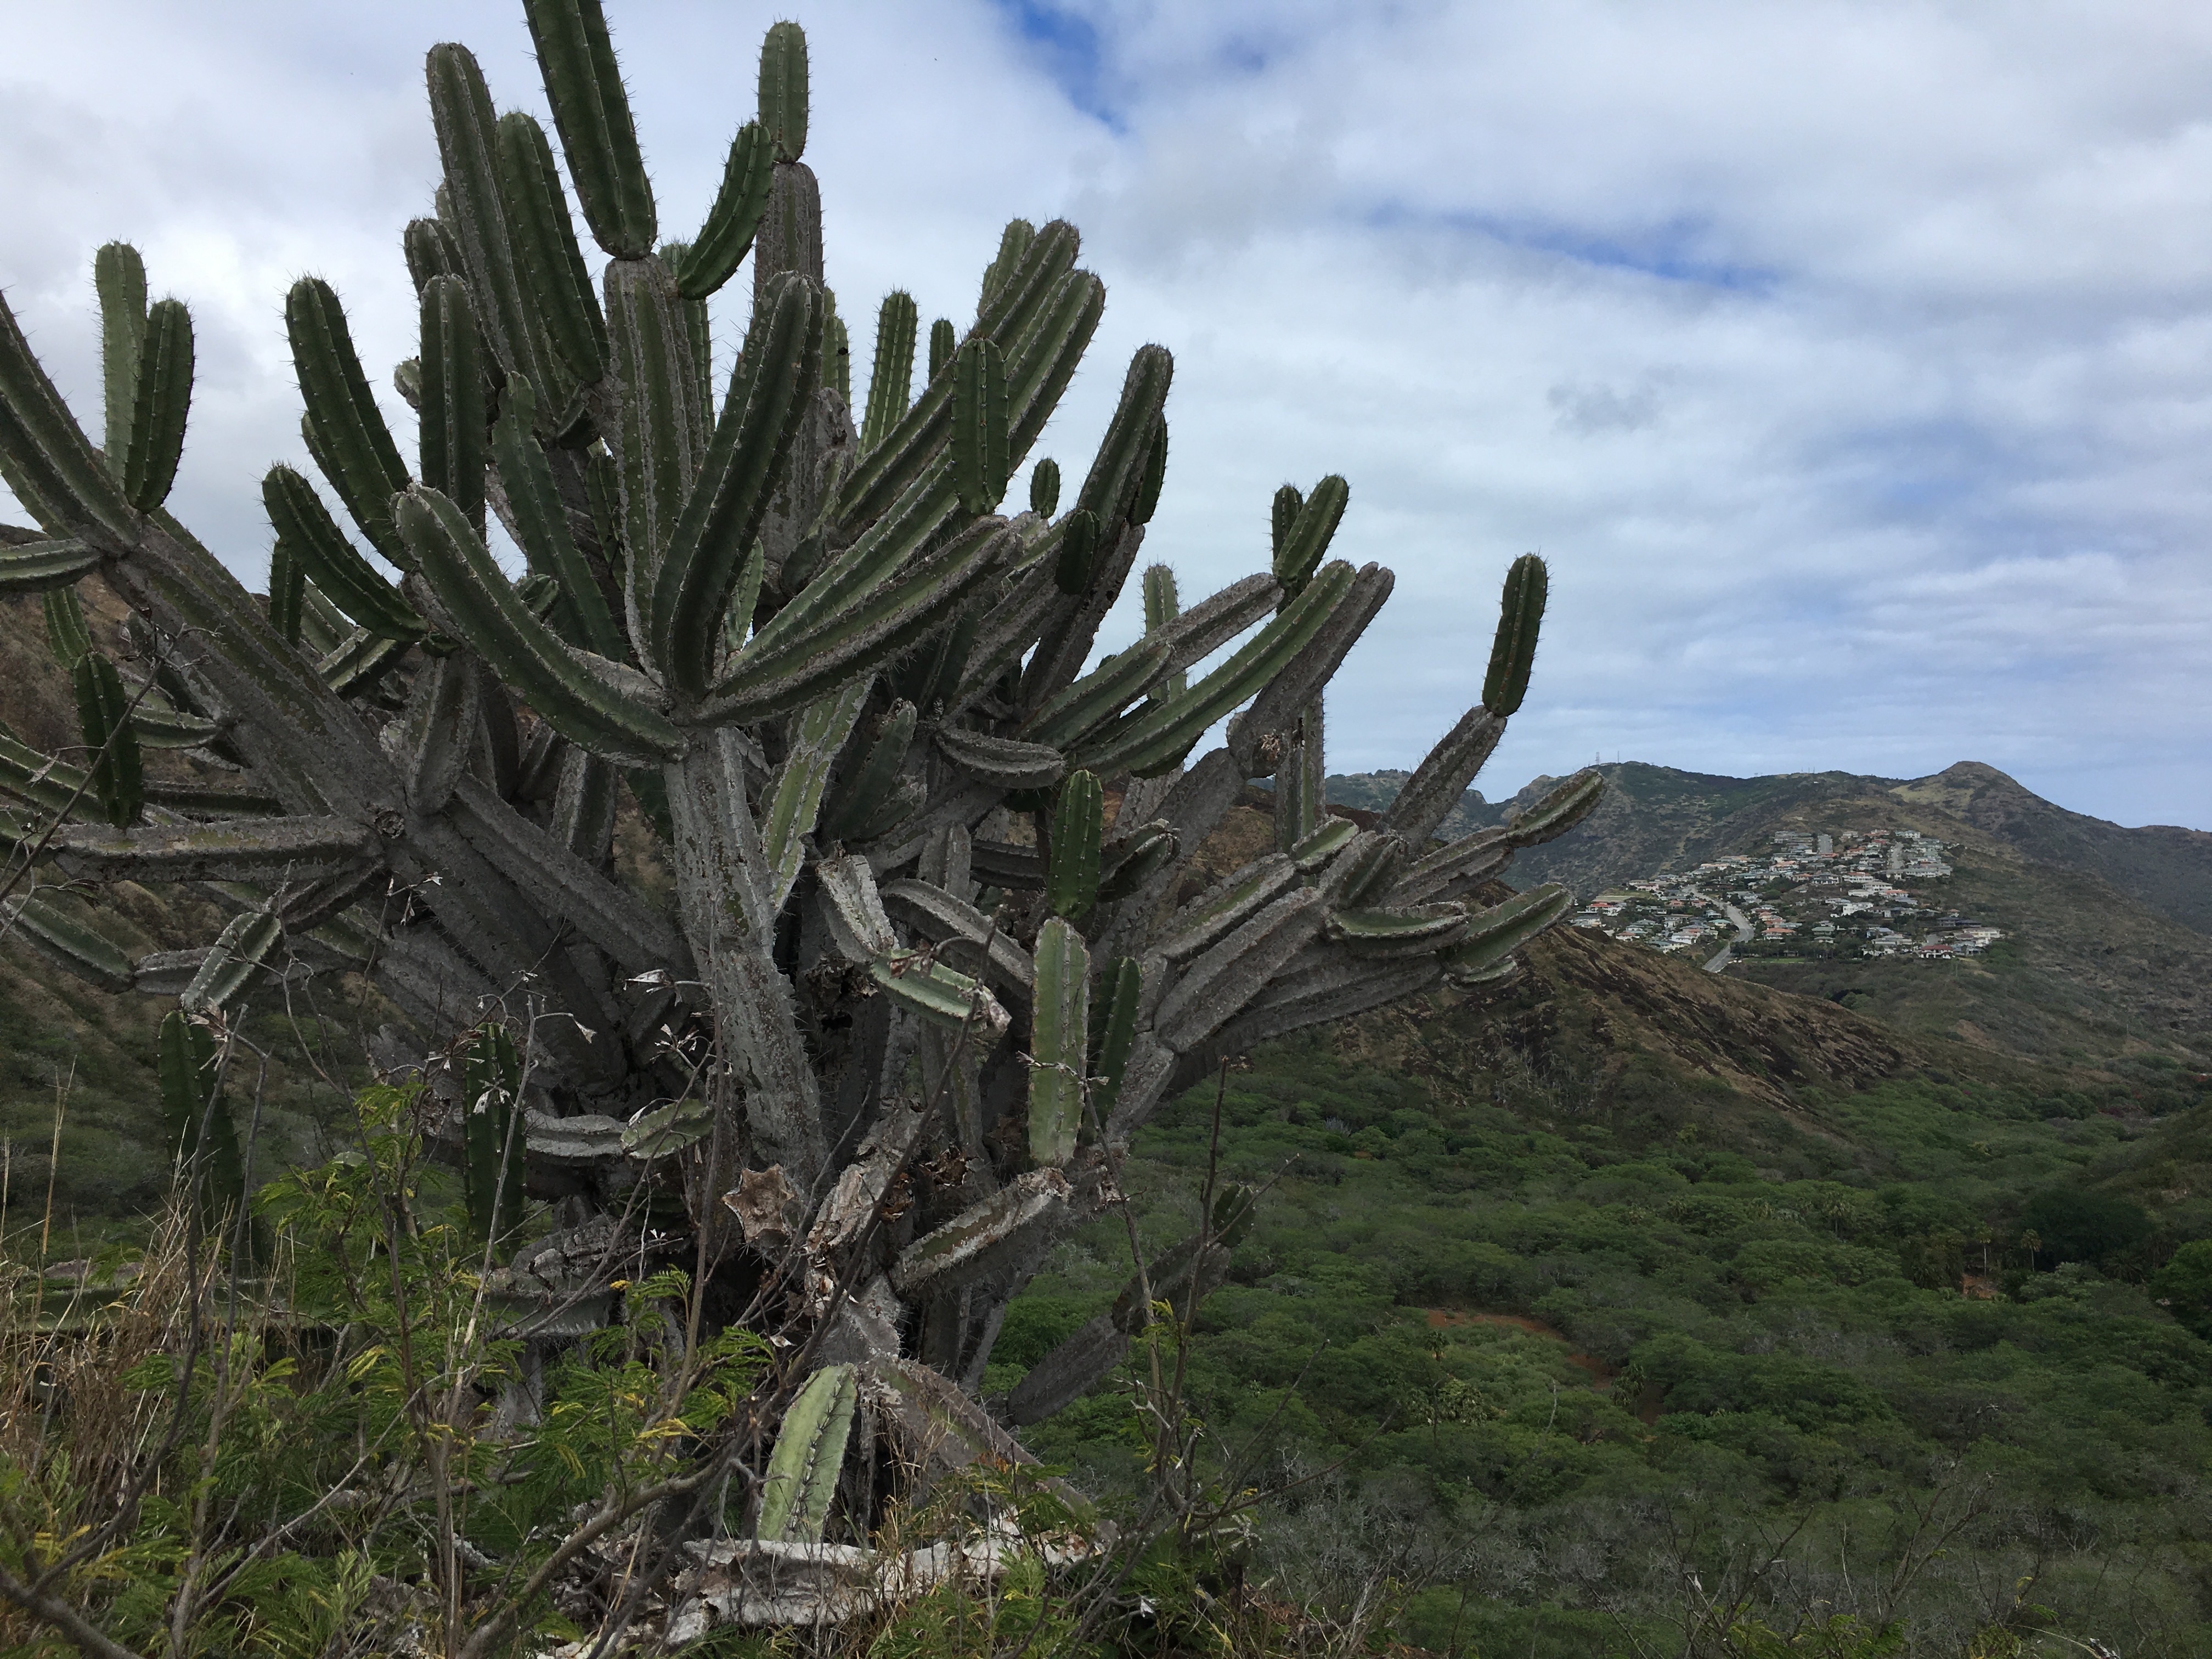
[850,691]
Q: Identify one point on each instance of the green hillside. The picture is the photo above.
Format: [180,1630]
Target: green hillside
[1581,1363]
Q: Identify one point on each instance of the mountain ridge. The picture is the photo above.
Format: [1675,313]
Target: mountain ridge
[2109,945]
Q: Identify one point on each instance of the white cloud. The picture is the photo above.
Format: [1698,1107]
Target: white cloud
[1851,363]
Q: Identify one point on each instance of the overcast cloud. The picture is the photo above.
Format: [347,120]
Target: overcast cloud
[1849,362]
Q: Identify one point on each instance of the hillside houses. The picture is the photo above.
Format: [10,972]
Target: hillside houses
[1853,892]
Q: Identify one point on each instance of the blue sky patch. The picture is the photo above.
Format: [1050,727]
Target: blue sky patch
[1066,47]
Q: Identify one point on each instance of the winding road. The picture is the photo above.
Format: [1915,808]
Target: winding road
[1744,930]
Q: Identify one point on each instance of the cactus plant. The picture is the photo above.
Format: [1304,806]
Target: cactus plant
[936,897]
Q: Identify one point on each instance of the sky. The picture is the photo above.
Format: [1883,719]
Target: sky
[1849,364]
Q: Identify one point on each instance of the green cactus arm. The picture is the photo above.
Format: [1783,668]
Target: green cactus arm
[1004,631]
[943,342]
[356,663]
[930,673]
[584,804]
[1162,605]
[1300,549]
[1198,633]
[794,794]
[1442,776]
[859,925]
[783,97]
[303,744]
[544,240]
[1283,513]
[1075,559]
[541,523]
[305,528]
[1219,982]
[863,792]
[1065,721]
[38,566]
[1321,984]
[252,849]
[885,473]
[1114,1030]
[1155,476]
[1019,308]
[950,922]
[491,618]
[1292,692]
[864,633]
[1064,642]
[891,383]
[103,711]
[118,278]
[431,250]
[63,939]
[727,235]
[698,324]
[1455,869]
[1007,762]
[507,311]
[1513,652]
[663,435]
[1230,902]
[1494,934]
[452,445]
[603,498]
[344,429]
[1398,930]
[154,441]
[937,994]
[769,396]
[184,1067]
[444,713]
[978,426]
[989,1236]
[160,726]
[1078,824]
[1328,838]
[233,961]
[41,780]
[67,636]
[288,593]
[1560,810]
[1044,488]
[809,1448]
[1014,241]
[1369,864]
[1119,469]
[1155,739]
[591,112]
[1060,1042]
[57,476]
[1127,865]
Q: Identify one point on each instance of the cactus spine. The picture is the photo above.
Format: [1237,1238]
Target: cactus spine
[842,682]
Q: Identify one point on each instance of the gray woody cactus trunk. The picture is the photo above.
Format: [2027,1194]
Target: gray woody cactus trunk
[920,984]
